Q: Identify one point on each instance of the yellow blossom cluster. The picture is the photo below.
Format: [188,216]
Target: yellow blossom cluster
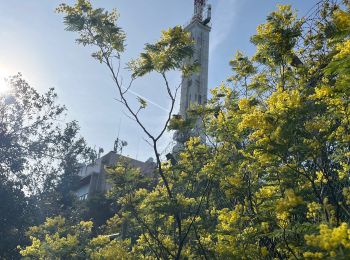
[313,210]
[330,239]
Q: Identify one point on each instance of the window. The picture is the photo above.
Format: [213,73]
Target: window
[84,196]
[199,99]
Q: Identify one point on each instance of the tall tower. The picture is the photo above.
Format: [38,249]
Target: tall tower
[194,89]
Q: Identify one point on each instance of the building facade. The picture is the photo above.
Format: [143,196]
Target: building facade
[93,177]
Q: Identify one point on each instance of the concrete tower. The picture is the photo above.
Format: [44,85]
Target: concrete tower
[194,89]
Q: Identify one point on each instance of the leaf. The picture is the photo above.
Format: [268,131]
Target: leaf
[143,103]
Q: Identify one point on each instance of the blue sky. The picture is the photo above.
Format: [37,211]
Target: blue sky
[33,42]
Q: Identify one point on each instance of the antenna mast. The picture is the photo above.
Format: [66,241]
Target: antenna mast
[199,6]
[119,144]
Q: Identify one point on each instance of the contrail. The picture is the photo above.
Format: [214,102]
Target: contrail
[148,100]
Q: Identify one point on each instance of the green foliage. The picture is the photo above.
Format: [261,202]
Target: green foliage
[17,214]
[56,239]
[276,170]
[98,27]
[143,103]
[102,248]
[178,123]
[288,173]
[98,208]
[273,180]
[57,196]
[95,27]
[167,54]
[37,155]
[26,126]
[276,38]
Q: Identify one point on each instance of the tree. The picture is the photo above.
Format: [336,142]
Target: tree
[272,182]
[17,214]
[39,161]
[276,170]
[98,208]
[288,174]
[26,127]
[98,28]
[57,194]
[56,239]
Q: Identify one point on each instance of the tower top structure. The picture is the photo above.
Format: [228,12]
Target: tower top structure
[199,9]
[199,6]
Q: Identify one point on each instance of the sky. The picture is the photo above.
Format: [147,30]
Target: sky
[33,42]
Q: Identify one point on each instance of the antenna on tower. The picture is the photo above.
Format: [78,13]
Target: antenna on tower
[199,6]
[118,143]
[208,18]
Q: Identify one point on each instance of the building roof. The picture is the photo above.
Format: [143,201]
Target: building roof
[110,159]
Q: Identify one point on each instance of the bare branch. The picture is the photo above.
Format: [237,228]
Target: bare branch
[129,86]
[173,99]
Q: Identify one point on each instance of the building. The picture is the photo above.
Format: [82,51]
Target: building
[194,89]
[93,177]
